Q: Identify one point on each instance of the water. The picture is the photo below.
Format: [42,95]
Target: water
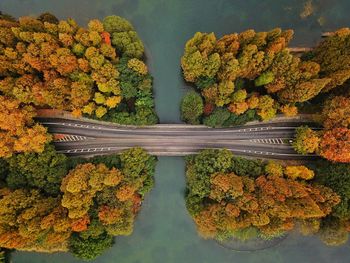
[164,232]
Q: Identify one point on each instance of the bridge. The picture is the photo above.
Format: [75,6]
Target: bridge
[85,137]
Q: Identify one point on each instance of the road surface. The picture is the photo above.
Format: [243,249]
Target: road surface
[87,138]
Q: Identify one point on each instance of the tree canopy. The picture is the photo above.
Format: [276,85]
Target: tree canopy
[227,195]
[97,71]
[51,203]
[256,71]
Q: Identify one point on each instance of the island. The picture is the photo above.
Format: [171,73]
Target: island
[49,202]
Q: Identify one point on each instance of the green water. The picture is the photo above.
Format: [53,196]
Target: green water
[164,232]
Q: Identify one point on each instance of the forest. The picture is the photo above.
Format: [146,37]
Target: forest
[49,202]
[45,63]
[96,71]
[254,75]
[233,197]
[52,203]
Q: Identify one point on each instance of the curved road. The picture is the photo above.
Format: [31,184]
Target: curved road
[85,137]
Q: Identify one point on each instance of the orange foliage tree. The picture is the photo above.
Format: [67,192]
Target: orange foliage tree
[271,200]
[18,131]
[271,204]
[336,112]
[237,70]
[54,63]
[31,221]
[335,145]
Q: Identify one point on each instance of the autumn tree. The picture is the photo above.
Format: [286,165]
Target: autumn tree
[229,196]
[18,131]
[28,220]
[267,203]
[273,168]
[336,112]
[199,167]
[259,66]
[124,36]
[55,63]
[306,141]
[81,185]
[298,172]
[333,56]
[200,58]
[335,145]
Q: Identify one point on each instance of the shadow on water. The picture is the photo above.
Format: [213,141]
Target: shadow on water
[251,244]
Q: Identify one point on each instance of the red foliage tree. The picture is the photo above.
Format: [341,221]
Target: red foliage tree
[335,145]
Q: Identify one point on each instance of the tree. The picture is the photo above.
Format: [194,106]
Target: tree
[136,163]
[217,118]
[228,195]
[43,171]
[303,91]
[257,65]
[91,247]
[124,37]
[267,203]
[58,64]
[289,110]
[264,79]
[199,168]
[32,221]
[336,177]
[81,185]
[306,141]
[242,166]
[336,112]
[116,24]
[333,56]
[266,108]
[299,172]
[335,145]
[273,168]
[191,107]
[18,133]
[199,59]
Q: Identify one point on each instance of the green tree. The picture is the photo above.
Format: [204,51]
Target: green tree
[217,118]
[335,176]
[43,171]
[114,24]
[191,107]
[243,166]
[199,168]
[264,78]
[91,247]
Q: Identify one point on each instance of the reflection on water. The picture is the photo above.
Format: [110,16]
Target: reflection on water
[164,232]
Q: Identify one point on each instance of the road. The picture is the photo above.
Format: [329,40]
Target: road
[84,137]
